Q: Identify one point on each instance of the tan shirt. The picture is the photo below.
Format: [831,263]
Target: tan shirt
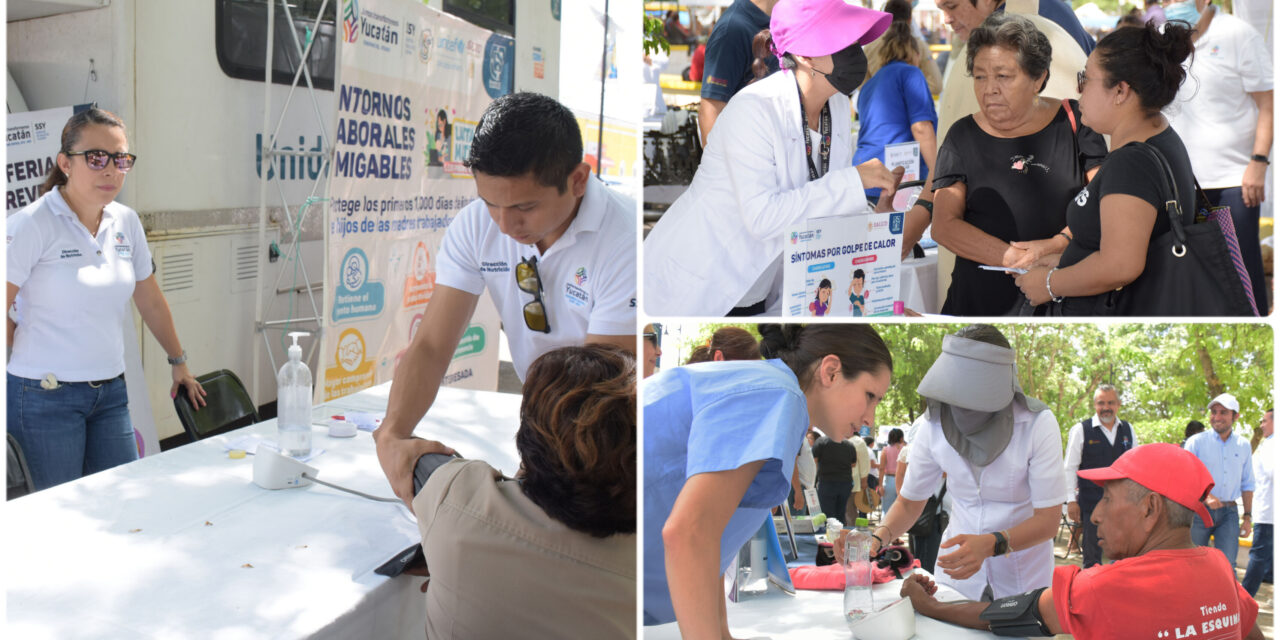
[502,568]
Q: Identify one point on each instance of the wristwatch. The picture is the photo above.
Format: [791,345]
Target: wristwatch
[1260,158]
[178,360]
[1002,543]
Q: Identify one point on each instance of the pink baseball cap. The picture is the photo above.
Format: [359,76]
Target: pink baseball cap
[814,28]
[1164,468]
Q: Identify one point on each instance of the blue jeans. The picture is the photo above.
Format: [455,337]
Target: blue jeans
[1226,532]
[71,431]
[1260,559]
[1245,220]
[890,494]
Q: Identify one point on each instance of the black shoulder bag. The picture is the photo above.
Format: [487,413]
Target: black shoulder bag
[1189,269]
[932,519]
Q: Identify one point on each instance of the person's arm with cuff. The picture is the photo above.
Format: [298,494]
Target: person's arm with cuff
[966,613]
[416,382]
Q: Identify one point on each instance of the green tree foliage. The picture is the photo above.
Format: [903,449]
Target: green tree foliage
[655,38]
[1166,373]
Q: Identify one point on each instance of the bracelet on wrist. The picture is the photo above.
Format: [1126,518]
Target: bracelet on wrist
[1048,288]
[178,360]
[1063,234]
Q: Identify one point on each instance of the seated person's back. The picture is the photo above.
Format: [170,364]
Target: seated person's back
[550,554]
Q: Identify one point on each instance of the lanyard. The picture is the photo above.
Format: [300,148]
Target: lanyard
[824,130]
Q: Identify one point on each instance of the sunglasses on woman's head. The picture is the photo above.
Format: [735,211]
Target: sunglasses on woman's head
[97,159]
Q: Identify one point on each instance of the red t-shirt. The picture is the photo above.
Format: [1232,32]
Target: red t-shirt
[1160,595]
[696,64]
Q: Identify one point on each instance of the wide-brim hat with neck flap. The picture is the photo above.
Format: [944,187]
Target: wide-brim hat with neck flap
[970,374]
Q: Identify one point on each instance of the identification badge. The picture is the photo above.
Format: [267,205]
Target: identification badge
[124,251]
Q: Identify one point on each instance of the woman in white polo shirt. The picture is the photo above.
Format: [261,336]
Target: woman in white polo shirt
[75,257]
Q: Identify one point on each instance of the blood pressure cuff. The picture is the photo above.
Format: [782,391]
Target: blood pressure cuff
[1017,616]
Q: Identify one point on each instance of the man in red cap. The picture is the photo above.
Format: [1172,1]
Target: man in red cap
[1151,494]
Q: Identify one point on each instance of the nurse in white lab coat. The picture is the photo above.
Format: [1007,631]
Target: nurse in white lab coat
[1002,453]
[719,247]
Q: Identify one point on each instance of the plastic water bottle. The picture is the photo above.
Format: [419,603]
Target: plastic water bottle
[293,401]
[857,573]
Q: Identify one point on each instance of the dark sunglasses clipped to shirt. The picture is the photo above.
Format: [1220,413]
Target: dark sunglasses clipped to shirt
[97,159]
[527,278]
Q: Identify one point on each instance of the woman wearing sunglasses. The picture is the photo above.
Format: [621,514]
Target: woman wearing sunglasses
[720,442]
[75,258]
[1127,82]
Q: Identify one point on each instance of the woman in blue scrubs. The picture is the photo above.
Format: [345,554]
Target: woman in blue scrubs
[720,441]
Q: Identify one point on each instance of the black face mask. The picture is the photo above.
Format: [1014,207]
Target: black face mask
[849,69]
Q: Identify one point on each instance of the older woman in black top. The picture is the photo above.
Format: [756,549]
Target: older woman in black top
[1006,173]
[1133,74]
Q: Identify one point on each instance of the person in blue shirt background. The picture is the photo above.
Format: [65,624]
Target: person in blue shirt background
[720,442]
[1229,459]
[895,105]
[726,66]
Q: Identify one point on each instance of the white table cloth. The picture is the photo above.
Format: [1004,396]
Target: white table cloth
[183,545]
[816,615]
[918,288]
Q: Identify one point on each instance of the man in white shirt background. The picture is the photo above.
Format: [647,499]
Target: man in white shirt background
[1224,115]
[1094,443]
[1261,558]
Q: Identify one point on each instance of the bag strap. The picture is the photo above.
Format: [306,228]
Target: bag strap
[1071,115]
[1172,209]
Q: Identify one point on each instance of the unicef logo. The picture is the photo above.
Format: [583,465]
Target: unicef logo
[351,21]
[355,270]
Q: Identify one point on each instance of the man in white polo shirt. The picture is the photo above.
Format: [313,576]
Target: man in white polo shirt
[554,247]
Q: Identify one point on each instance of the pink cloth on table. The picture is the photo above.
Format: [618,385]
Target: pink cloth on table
[831,577]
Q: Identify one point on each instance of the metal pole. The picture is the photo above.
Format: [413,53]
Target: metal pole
[269,145]
[604,78]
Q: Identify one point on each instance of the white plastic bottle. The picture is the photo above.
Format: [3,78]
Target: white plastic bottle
[293,402]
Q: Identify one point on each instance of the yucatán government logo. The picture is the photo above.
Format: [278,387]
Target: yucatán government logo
[351,21]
